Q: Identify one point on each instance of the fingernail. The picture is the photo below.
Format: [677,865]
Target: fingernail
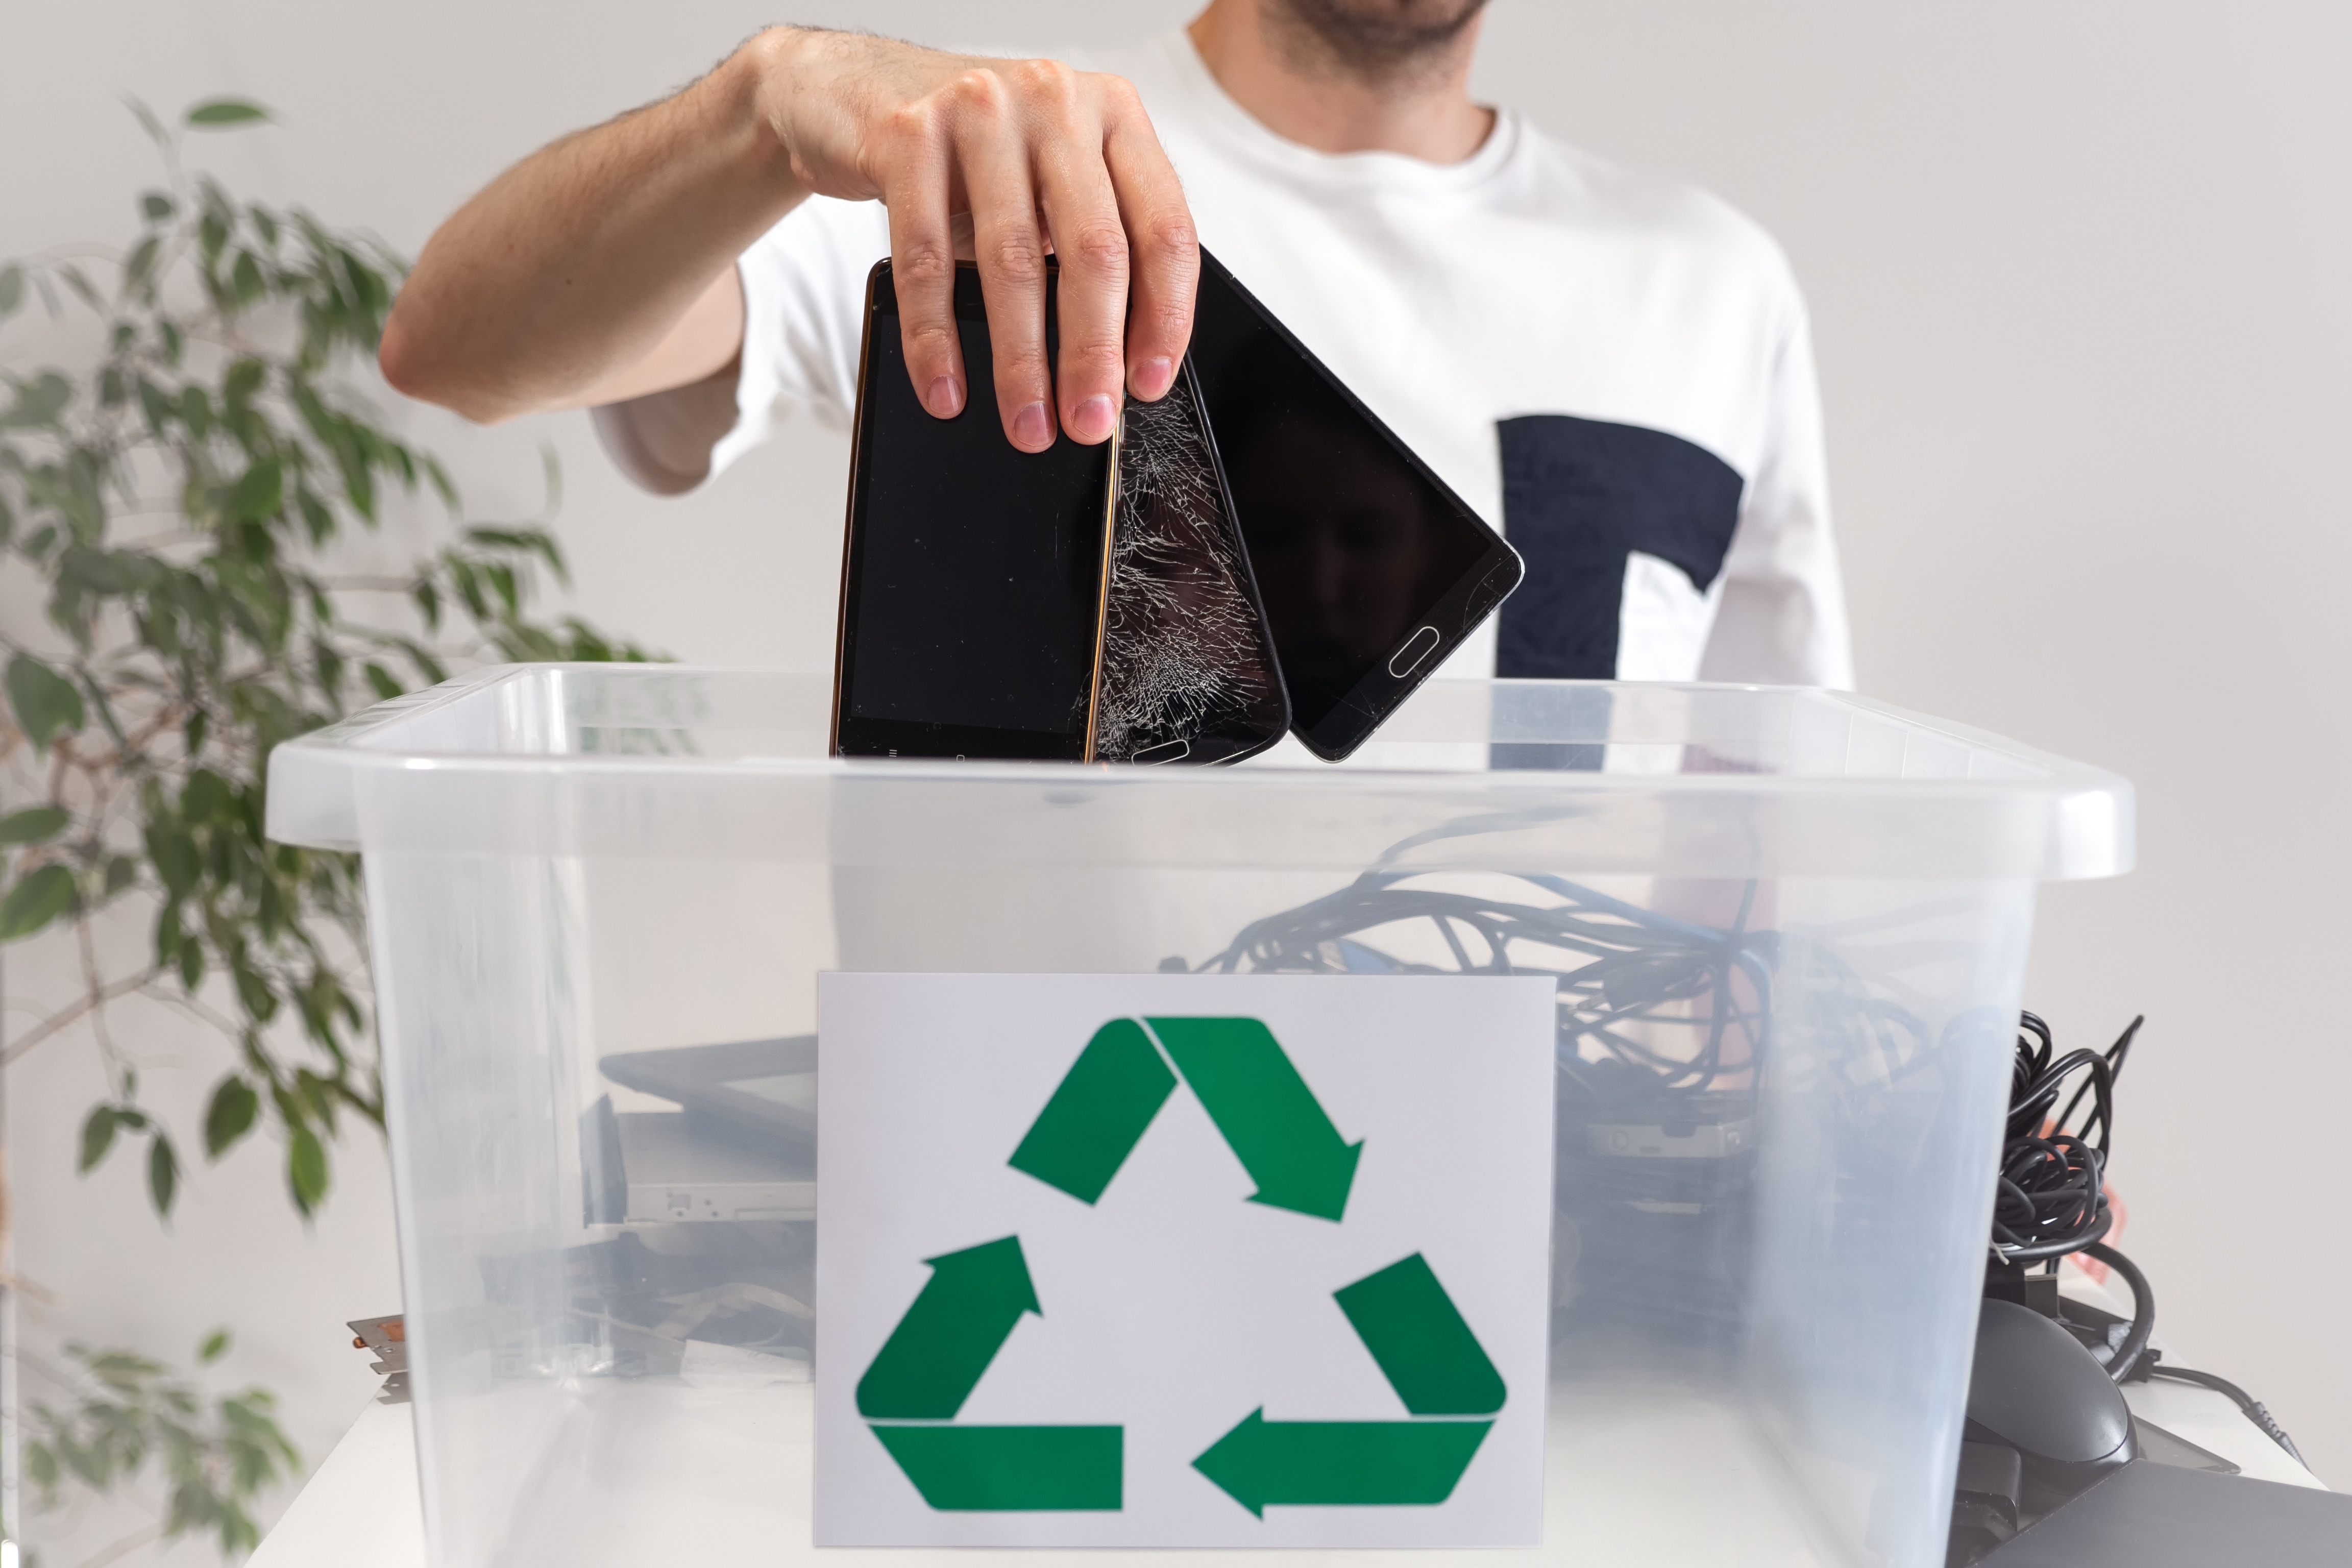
[1153,377]
[945,399]
[1034,428]
[1091,420]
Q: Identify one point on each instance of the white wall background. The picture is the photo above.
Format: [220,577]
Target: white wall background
[2078,276]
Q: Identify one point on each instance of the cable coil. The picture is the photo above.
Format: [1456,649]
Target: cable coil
[2051,1199]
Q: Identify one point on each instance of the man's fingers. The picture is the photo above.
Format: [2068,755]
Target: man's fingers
[922,258]
[1015,161]
[1166,252]
[993,157]
[1082,215]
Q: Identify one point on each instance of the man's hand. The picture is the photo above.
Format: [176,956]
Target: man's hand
[1002,161]
[601,268]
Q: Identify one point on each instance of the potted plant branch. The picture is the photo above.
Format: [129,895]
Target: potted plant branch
[183,505]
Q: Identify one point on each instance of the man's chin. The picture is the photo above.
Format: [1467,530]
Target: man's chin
[1381,38]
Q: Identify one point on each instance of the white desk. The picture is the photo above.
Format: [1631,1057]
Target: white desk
[359,1510]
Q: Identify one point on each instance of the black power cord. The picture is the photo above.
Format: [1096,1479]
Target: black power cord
[1655,1010]
[2050,1201]
[2127,1356]
[2132,1354]
[1626,974]
[2253,1407]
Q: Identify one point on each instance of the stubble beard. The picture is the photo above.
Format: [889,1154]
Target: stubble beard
[1376,41]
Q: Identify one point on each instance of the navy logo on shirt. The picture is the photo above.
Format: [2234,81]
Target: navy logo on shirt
[1579,496]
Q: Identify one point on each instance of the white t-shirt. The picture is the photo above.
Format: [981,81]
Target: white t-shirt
[1613,370]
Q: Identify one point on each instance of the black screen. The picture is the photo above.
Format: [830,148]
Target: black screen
[1353,543]
[976,568]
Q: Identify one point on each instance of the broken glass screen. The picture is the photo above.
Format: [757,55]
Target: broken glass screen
[1188,668]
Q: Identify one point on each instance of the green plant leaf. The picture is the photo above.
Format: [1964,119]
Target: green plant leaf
[142,262]
[306,1170]
[244,278]
[196,411]
[198,648]
[97,1137]
[216,1346]
[315,517]
[244,379]
[177,860]
[219,114]
[45,702]
[155,405]
[163,1173]
[207,797]
[108,572]
[35,901]
[443,486]
[39,403]
[79,281]
[84,502]
[34,825]
[231,1116]
[259,493]
[253,992]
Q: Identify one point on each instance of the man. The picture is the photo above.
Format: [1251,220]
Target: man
[1615,371]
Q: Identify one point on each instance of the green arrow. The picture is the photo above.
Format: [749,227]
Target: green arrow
[1262,1464]
[1411,1327]
[967,1309]
[1266,1112]
[1098,1113]
[1002,1468]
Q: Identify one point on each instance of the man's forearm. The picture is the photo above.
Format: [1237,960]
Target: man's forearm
[597,271]
[573,266]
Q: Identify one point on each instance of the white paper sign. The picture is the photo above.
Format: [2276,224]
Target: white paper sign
[1182,1260]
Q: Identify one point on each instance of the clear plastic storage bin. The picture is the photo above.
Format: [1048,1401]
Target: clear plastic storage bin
[1780,1091]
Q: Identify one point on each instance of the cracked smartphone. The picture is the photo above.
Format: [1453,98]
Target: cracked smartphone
[1189,673]
[973,575]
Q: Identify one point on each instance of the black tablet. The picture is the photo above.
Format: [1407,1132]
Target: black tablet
[1372,570]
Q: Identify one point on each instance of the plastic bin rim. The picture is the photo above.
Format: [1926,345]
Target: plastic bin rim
[2064,784]
[2061,775]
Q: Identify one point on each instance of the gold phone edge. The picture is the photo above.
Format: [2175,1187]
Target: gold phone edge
[1102,587]
[849,512]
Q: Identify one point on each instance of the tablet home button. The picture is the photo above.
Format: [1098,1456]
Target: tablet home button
[1417,648]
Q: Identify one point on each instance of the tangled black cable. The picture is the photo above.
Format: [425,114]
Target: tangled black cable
[1617,966]
[2256,1411]
[2052,1198]
[2124,1356]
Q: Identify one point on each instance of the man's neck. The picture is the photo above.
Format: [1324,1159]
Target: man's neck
[1424,113]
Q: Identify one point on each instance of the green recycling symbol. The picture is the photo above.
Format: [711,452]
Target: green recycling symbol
[975,1298]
